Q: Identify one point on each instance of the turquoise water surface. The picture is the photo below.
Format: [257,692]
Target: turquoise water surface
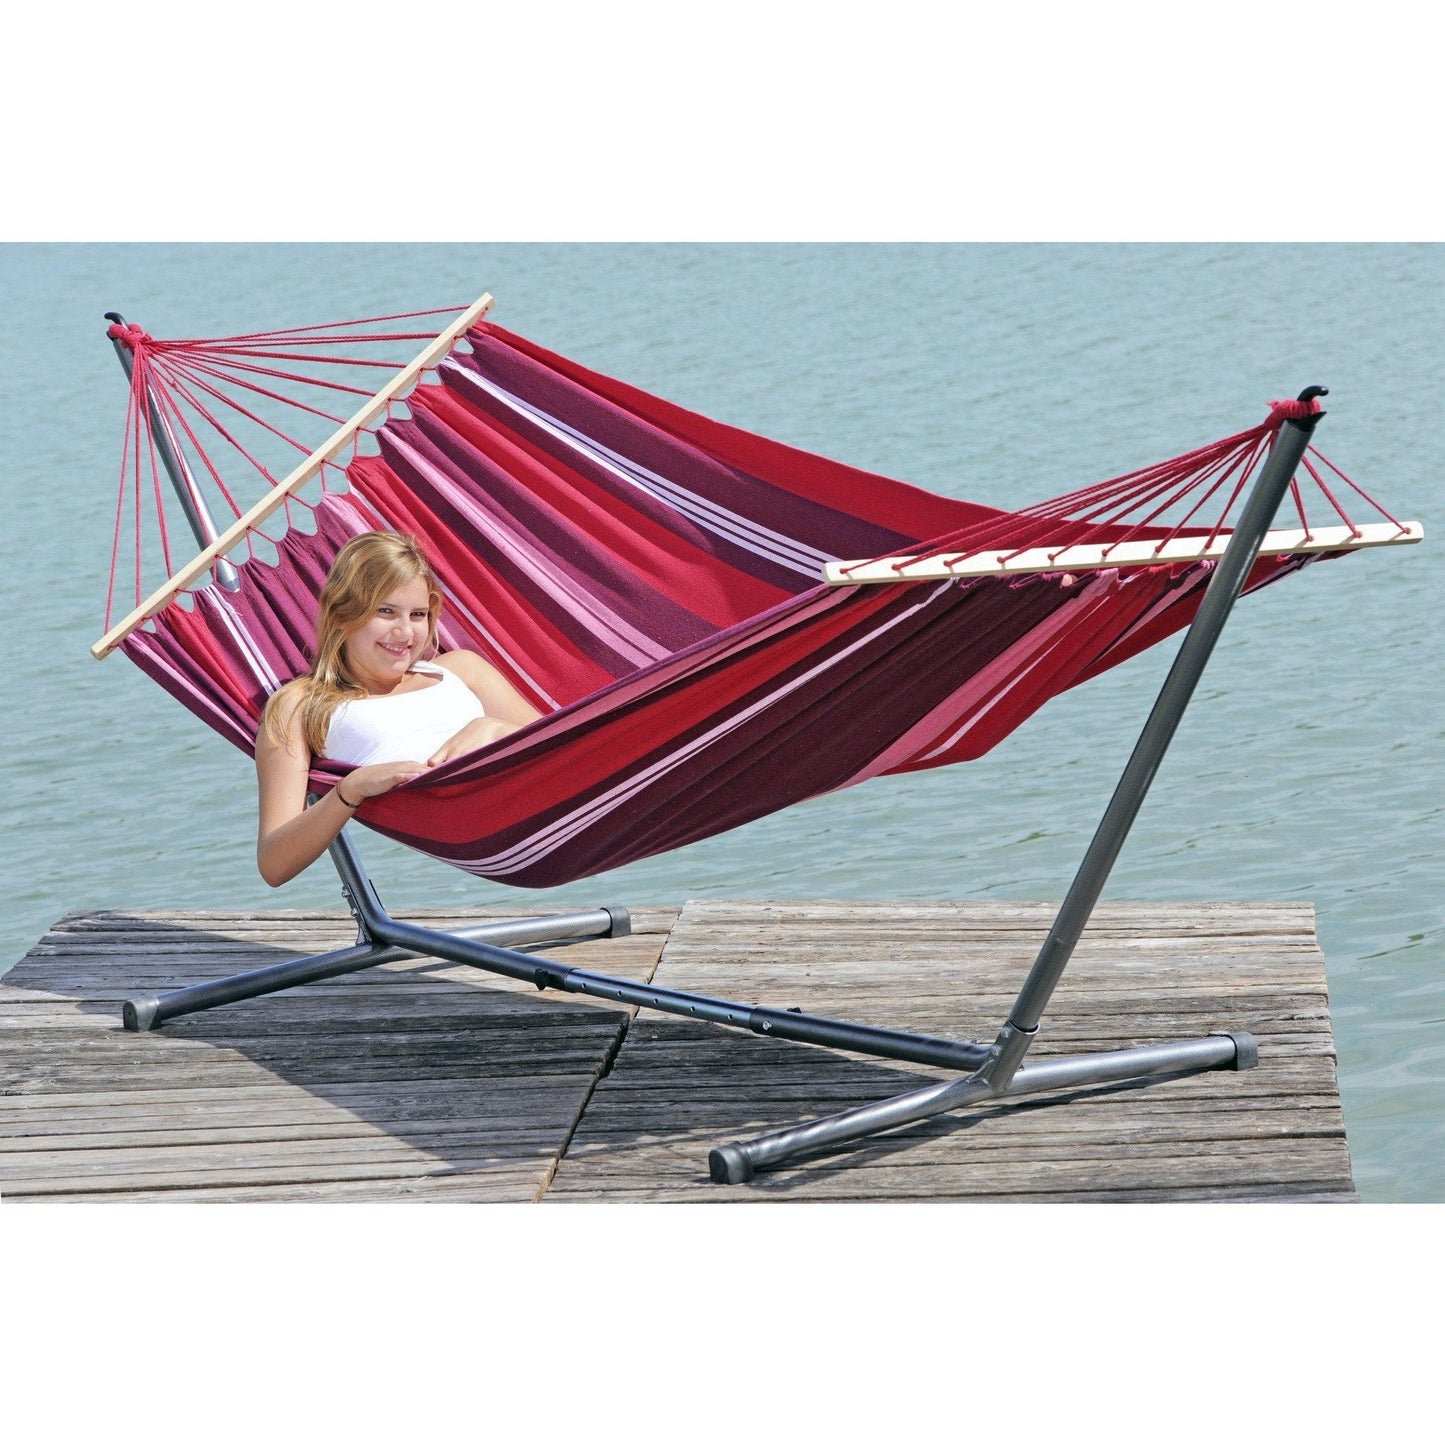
[1308,767]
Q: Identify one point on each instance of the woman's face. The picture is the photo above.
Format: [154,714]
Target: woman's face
[380,651]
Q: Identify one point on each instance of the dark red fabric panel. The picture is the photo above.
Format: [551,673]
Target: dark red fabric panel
[1052,668]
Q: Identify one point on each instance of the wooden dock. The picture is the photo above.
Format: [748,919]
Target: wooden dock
[419,1081]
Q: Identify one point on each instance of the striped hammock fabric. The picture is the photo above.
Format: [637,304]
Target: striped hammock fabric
[651,580]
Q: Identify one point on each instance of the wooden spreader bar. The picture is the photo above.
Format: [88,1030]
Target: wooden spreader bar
[1097,556]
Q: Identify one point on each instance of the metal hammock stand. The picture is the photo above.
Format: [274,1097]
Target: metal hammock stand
[986,1071]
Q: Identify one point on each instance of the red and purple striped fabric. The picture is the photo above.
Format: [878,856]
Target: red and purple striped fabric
[650,579]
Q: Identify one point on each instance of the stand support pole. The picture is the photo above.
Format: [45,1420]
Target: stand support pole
[1194,652]
[1001,1075]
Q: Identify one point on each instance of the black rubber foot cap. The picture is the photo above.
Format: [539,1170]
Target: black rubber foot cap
[139,1014]
[1246,1051]
[729,1165]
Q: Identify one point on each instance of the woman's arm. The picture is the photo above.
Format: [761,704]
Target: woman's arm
[506,708]
[290,836]
[495,693]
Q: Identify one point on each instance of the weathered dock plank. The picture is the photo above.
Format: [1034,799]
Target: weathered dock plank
[421,1080]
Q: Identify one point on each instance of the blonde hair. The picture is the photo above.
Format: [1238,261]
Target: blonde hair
[365,570]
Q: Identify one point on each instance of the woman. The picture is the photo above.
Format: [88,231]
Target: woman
[371,700]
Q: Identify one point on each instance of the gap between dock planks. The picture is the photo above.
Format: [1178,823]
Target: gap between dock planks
[419,1080]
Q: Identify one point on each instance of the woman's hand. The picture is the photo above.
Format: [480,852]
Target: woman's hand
[377,778]
[477,734]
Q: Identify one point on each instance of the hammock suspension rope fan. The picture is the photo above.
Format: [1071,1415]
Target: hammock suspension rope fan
[691,607]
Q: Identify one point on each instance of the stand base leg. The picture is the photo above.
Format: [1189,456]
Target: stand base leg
[141,1014]
[737,1163]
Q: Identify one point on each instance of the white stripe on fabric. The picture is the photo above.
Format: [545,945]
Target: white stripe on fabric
[225,612]
[498,651]
[752,536]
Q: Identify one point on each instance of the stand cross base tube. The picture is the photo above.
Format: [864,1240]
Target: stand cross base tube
[737,1163]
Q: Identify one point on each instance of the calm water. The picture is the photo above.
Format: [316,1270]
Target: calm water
[1308,767]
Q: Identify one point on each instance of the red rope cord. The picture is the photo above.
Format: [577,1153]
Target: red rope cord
[191,387]
[205,414]
[171,404]
[1141,501]
[143,372]
[160,500]
[1090,509]
[350,325]
[138,497]
[128,475]
[1297,497]
[1226,468]
[1353,486]
[1241,481]
[175,375]
[333,333]
[1205,481]
[178,379]
[235,378]
[1183,465]
[1170,482]
[119,513]
[1329,496]
[225,353]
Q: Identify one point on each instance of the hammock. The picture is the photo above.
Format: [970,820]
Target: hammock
[713,624]
[654,582]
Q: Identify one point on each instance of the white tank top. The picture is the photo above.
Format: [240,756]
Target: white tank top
[401,727]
